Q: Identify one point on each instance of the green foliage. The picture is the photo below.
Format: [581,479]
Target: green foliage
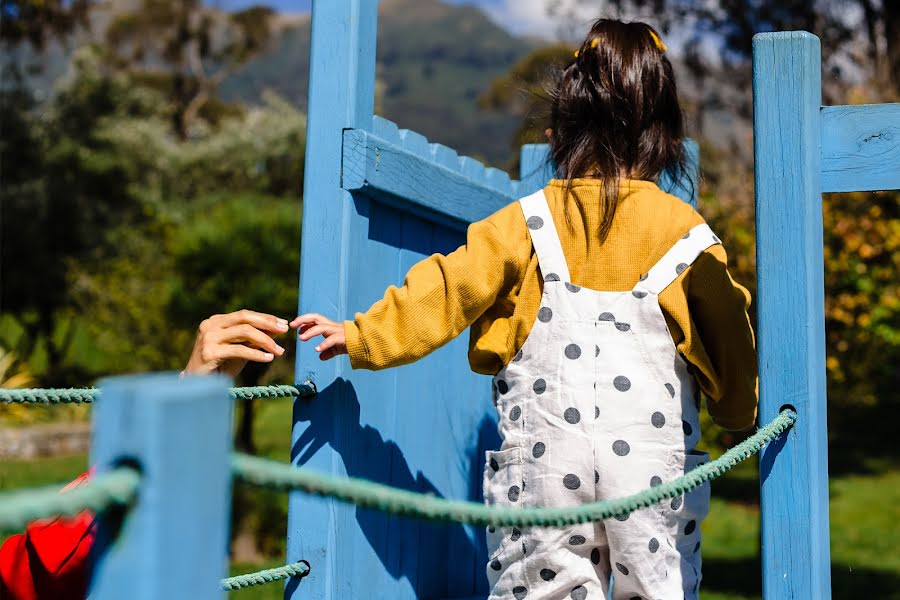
[38,21]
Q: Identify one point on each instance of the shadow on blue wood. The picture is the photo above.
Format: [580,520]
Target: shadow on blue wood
[437,560]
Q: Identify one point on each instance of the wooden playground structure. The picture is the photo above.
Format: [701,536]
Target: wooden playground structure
[378,199]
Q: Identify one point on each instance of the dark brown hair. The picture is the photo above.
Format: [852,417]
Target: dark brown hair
[614,112]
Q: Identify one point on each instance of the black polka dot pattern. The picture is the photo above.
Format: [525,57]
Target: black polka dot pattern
[686,236]
[680,268]
[573,351]
[639,294]
[622,568]
[518,356]
[658,419]
[623,326]
[551,277]
[578,593]
[545,314]
[513,493]
[502,386]
[621,447]
[494,465]
[577,540]
[540,386]
[519,592]
[596,477]
[515,413]
[644,277]
[676,502]
[534,223]
[573,288]
[655,481]
[653,545]
[671,389]
[572,415]
[516,534]
[538,450]
[622,517]
[595,556]
[690,527]
[596,412]
[548,574]
[606,317]
[622,383]
[495,565]
[571,482]
[596,351]
[697,548]
[686,427]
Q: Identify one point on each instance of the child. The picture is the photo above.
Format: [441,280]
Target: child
[600,304]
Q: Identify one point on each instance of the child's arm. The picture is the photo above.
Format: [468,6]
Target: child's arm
[721,346]
[440,297]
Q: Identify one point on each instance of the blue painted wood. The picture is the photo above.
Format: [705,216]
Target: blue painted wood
[341,96]
[861,147]
[410,178]
[794,472]
[174,540]
[536,171]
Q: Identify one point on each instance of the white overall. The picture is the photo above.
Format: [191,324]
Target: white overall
[597,404]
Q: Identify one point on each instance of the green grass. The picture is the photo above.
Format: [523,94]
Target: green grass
[865,521]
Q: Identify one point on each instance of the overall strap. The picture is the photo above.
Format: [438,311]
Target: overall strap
[544,237]
[677,259]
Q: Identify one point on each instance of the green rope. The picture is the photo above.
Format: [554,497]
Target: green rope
[116,488]
[367,494]
[87,395]
[239,582]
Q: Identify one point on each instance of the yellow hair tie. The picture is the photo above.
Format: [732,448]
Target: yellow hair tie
[594,43]
[659,43]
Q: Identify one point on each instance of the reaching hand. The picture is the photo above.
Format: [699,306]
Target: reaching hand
[226,342]
[311,325]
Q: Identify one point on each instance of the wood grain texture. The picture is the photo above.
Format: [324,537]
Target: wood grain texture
[794,470]
[174,541]
[861,147]
[412,177]
[341,96]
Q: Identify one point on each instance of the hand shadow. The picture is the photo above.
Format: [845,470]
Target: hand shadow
[440,560]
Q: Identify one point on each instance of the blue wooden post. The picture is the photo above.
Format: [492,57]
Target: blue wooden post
[174,541]
[341,96]
[794,471]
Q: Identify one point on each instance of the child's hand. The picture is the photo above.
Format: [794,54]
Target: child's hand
[311,325]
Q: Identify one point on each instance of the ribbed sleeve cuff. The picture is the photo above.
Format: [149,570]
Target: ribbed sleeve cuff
[356,349]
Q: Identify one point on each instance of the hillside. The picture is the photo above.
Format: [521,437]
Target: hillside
[433,62]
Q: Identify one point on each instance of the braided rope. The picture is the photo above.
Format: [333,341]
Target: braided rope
[367,494]
[239,582]
[116,488]
[88,395]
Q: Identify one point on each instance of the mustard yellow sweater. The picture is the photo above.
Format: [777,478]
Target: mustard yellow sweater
[492,285]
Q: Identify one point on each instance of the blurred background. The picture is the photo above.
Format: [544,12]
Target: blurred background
[151,159]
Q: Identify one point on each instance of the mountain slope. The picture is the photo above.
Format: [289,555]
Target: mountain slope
[433,62]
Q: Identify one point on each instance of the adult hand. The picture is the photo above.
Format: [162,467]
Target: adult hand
[311,325]
[226,342]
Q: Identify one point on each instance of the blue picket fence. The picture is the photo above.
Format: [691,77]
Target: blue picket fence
[377,199]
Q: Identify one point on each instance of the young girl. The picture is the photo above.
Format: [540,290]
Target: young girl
[600,304]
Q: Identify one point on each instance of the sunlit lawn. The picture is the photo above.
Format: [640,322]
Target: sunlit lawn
[865,522]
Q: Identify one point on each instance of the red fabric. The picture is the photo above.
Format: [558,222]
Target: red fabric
[50,561]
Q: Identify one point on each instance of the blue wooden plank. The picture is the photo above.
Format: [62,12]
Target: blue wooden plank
[499,181]
[411,180]
[415,143]
[794,471]
[386,130]
[341,96]
[685,185]
[445,157]
[535,168]
[174,540]
[861,147]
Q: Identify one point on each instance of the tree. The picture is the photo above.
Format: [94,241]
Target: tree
[187,50]
[36,21]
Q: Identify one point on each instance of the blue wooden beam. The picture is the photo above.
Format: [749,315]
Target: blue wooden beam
[861,147]
[418,180]
[790,299]
[341,96]
[173,542]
